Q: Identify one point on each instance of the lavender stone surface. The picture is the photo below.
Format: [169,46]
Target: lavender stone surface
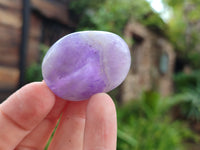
[84,63]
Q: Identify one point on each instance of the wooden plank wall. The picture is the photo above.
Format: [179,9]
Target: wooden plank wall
[49,20]
[10,33]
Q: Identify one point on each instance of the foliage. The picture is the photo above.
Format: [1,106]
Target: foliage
[184,29]
[33,72]
[52,135]
[188,94]
[80,9]
[189,104]
[112,15]
[184,82]
[146,124]
[184,33]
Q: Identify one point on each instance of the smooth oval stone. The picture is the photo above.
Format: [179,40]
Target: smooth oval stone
[85,63]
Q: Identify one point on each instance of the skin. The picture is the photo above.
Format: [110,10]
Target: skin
[28,117]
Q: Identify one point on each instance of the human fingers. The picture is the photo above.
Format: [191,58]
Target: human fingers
[22,112]
[39,136]
[69,134]
[101,124]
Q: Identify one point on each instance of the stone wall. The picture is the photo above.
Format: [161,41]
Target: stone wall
[152,62]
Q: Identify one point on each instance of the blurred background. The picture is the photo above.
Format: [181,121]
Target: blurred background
[158,104]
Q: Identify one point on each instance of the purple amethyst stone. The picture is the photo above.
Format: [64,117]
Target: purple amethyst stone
[85,63]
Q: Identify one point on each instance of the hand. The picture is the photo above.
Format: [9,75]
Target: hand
[28,117]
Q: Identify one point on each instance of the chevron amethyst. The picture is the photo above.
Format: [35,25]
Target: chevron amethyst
[84,63]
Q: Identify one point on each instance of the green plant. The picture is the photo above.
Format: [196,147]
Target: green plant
[184,82]
[51,137]
[33,72]
[188,103]
[184,30]
[188,94]
[146,124]
[112,15]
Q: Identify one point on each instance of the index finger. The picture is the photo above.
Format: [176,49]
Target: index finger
[22,112]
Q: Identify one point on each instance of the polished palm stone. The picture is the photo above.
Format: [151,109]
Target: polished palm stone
[85,63]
